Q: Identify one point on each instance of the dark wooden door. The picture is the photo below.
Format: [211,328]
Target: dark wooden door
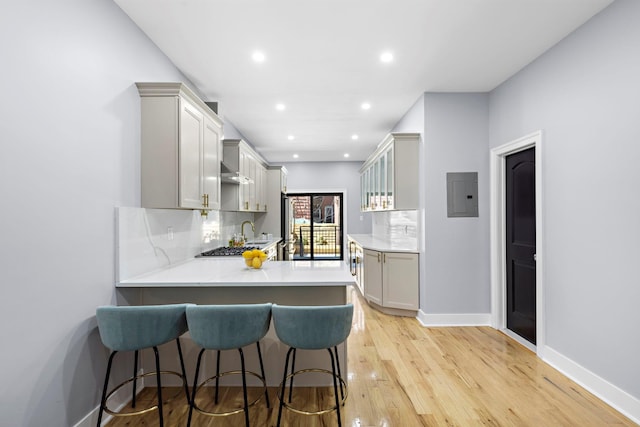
[521,243]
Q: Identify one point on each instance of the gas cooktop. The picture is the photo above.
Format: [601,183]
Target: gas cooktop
[226,251]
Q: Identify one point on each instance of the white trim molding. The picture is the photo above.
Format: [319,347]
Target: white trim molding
[618,399]
[454,319]
[117,401]
[498,234]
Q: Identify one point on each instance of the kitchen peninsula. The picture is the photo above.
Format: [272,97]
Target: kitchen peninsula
[229,281]
[221,280]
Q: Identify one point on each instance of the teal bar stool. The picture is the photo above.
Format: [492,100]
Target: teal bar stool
[228,327]
[313,328]
[134,328]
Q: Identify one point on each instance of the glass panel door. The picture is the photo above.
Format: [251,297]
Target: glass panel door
[383,182]
[318,232]
[390,174]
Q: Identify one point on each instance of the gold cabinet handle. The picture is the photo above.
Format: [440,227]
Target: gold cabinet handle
[378,256]
[246,206]
[205,200]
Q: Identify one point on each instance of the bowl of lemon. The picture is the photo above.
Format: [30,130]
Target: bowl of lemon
[254,258]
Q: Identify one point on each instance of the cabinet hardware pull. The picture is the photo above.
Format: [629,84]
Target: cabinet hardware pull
[246,206]
[378,256]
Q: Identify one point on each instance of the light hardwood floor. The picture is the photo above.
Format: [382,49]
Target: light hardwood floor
[403,374]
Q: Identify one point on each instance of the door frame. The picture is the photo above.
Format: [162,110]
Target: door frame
[498,238]
[341,191]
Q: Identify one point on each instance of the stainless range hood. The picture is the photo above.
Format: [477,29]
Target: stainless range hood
[228,176]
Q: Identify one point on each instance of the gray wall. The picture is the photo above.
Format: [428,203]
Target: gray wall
[70,154]
[454,252]
[456,138]
[333,176]
[584,94]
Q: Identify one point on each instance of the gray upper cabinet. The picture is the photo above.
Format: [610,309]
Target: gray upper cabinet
[389,177]
[244,187]
[181,149]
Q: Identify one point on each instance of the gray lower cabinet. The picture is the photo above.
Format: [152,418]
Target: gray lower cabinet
[391,279]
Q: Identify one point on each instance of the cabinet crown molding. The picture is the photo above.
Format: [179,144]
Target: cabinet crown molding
[390,138]
[150,89]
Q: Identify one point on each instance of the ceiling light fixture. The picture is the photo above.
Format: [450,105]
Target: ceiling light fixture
[258,56]
[291,137]
[346,154]
[280,107]
[386,57]
[295,156]
[365,106]
[354,137]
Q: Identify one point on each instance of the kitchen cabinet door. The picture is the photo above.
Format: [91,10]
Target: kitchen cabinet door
[373,274]
[359,267]
[190,169]
[261,187]
[211,157]
[400,280]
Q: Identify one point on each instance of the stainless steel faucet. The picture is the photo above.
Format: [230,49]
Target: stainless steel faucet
[253,228]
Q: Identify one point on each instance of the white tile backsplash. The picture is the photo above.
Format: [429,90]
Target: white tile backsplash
[398,226]
[151,239]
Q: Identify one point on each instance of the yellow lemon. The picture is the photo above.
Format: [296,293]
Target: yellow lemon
[257,263]
[247,254]
[263,257]
[256,252]
[249,262]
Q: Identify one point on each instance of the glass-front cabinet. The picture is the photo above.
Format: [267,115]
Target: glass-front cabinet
[389,177]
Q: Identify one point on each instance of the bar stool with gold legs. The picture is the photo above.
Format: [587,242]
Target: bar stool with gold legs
[228,327]
[134,328]
[313,328]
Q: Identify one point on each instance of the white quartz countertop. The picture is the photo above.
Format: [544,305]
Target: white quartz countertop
[368,241]
[232,272]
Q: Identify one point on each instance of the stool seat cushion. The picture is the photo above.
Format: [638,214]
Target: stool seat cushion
[226,327]
[128,328]
[312,327]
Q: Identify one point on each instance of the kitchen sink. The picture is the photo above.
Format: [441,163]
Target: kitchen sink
[257,242]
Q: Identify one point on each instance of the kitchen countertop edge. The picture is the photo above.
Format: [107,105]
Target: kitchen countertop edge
[368,241]
[229,272]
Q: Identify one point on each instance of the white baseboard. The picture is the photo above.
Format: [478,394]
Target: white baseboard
[618,399]
[116,402]
[454,319]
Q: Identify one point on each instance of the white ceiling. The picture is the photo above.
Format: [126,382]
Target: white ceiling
[322,59]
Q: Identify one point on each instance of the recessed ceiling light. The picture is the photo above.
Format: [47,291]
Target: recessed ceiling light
[354,136]
[280,107]
[386,57]
[295,156]
[258,56]
[346,154]
[291,137]
[365,106]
